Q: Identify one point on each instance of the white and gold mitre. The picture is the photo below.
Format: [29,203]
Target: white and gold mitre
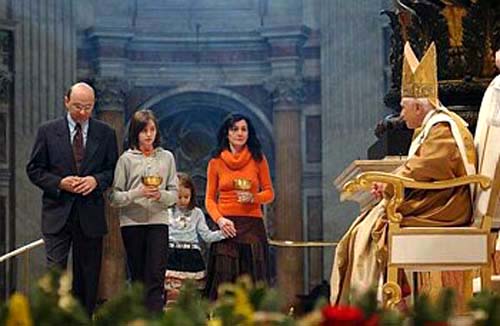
[419,78]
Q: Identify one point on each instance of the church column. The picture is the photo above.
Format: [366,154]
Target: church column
[286,88]
[288,185]
[111,96]
[7,159]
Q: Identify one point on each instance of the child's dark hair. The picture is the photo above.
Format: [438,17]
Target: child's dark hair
[138,122]
[186,182]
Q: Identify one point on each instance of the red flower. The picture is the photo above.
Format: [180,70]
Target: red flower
[372,321]
[342,316]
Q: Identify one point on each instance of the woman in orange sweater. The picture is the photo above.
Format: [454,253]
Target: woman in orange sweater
[238,183]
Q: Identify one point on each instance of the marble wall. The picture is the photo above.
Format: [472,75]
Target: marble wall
[352,90]
[44,63]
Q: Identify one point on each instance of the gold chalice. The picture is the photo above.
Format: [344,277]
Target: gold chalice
[152,180]
[242,184]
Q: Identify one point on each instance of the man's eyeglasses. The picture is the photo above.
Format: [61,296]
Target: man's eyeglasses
[80,107]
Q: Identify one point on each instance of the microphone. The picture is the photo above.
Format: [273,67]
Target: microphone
[391,121]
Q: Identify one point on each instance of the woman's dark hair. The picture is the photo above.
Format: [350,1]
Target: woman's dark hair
[138,122]
[253,142]
[186,182]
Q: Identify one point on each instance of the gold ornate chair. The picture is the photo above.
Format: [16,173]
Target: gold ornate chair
[443,248]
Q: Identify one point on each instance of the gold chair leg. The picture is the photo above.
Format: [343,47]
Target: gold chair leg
[391,290]
[468,292]
[487,270]
[486,278]
[435,285]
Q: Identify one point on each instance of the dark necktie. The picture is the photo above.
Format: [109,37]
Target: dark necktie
[78,149]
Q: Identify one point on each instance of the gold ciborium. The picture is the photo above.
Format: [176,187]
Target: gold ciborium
[151,175]
[242,184]
[152,180]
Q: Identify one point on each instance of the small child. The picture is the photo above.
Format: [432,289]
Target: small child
[186,225]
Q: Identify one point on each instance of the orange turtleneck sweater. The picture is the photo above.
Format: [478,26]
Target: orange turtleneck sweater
[221,198]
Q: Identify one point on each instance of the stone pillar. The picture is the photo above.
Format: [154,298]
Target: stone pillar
[110,107]
[109,48]
[287,94]
[287,90]
[7,159]
[44,61]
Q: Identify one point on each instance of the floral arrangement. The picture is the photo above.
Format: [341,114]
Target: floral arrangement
[486,308]
[365,311]
[51,303]
[242,303]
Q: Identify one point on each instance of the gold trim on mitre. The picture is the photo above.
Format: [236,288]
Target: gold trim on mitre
[419,79]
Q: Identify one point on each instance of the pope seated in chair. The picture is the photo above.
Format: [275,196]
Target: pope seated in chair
[442,149]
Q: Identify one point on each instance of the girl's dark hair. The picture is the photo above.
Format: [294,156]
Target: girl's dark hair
[253,142]
[138,122]
[186,182]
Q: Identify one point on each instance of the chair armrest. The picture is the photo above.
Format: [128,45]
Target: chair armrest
[399,183]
